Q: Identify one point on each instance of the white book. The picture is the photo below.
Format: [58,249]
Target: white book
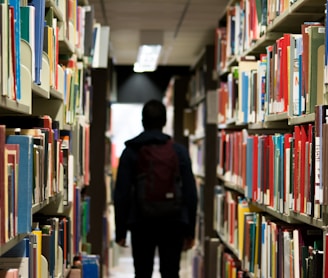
[296,253]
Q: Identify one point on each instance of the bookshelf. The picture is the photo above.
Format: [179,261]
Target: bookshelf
[269,170]
[45,118]
[202,134]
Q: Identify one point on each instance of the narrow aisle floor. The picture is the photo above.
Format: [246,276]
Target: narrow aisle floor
[124,268]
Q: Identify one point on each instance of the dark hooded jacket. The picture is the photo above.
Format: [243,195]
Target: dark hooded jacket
[125,212]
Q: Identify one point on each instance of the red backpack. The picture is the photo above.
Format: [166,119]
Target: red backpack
[158,185]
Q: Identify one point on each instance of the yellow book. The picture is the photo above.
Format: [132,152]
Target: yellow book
[243,207]
[38,234]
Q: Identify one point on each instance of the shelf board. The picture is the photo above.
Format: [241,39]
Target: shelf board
[56,94]
[276,214]
[228,245]
[308,118]
[292,18]
[231,185]
[37,207]
[260,45]
[276,117]
[39,91]
[11,243]
[304,218]
[65,47]
[57,12]
[83,2]
[8,106]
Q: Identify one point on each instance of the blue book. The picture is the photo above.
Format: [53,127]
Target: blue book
[25,181]
[39,6]
[17,34]
[244,95]
[90,265]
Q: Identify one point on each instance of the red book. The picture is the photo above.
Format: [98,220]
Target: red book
[243,163]
[221,150]
[227,154]
[303,168]
[284,71]
[12,153]
[309,163]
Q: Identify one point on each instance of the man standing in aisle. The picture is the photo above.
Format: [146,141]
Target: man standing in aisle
[166,223]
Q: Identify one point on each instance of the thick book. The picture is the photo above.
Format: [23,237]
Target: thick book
[90,265]
[25,181]
[12,161]
[315,93]
[245,67]
[321,111]
[305,59]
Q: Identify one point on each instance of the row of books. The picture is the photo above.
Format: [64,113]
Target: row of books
[264,245]
[37,162]
[45,252]
[48,28]
[243,25]
[248,22]
[284,171]
[50,249]
[288,78]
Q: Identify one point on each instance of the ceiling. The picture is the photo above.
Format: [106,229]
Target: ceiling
[187,26]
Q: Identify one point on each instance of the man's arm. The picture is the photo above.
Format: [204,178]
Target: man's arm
[190,193]
[122,197]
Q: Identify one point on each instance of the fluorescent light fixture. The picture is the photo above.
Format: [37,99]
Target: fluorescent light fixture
[147,58]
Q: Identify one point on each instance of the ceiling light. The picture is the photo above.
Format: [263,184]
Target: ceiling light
[147,58]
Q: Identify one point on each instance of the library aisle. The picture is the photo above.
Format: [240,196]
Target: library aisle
[124,268]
